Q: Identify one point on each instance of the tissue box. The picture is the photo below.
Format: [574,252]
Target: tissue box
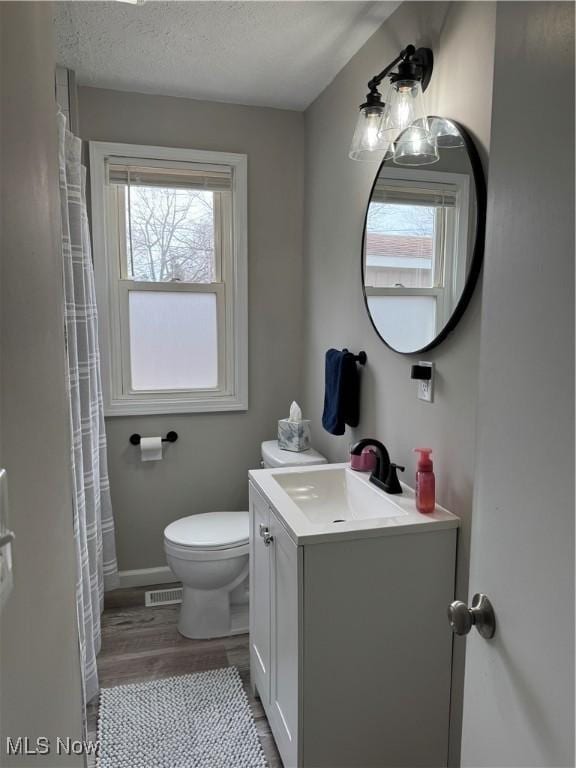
[294,435]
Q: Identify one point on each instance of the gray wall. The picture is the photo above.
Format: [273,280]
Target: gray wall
[40,688]
[206,469]
[337,189]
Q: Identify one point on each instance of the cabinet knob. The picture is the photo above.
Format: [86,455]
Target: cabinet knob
[480,615]
[266,535]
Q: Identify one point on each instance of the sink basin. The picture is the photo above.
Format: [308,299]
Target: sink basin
[331,501]
[336,495]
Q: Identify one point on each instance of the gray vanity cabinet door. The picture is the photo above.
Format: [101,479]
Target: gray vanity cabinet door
[260,562]
[283,711]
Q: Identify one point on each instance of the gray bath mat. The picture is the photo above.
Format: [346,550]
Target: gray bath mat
[189,721]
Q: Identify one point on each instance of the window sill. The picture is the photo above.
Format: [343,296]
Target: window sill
[158,407]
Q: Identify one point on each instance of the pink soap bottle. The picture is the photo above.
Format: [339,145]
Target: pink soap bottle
[425,482]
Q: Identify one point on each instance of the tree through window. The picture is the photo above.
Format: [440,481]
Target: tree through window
[170,234]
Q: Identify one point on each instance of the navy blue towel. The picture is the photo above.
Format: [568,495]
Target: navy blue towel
[342,392]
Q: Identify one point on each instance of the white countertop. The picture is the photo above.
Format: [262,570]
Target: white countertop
[304,530]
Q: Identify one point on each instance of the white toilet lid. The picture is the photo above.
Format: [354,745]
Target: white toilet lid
[212,530]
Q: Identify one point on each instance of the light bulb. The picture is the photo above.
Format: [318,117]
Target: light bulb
[371,128]
[369,139]
[405,107]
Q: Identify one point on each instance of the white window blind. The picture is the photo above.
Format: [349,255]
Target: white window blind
[125,171]
[430,196]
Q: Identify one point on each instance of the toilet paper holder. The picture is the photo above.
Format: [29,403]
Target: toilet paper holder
[171,437]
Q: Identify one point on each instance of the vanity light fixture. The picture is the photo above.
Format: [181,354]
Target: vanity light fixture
[380,124]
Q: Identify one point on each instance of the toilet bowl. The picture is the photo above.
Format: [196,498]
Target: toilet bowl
[208,553]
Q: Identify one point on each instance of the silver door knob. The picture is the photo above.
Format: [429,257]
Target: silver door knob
[480,615]
[266,535]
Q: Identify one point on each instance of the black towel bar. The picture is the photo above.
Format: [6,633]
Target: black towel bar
[361,357]
[171,437]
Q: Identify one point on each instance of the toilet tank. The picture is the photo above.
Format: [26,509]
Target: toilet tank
[273,456]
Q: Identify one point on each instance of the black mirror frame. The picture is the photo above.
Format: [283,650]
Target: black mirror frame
[477,255]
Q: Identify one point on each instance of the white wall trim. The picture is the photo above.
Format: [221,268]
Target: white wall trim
[146,577]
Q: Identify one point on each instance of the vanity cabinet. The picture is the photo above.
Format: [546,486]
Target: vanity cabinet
[350,648]
[275,564]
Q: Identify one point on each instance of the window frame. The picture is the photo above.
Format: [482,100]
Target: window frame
[110,284]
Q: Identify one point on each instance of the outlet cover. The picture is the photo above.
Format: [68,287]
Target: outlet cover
[426,386]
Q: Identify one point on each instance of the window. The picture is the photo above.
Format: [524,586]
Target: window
[169,231]
[412,232]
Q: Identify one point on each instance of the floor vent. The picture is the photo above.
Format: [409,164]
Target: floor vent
[156,597]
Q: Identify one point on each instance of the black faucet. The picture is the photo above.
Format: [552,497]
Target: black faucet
[384,474]
[392,484]
[382,468]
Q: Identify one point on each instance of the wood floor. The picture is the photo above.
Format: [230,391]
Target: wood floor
[140,643]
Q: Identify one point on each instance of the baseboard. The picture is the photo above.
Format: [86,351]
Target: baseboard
[146,577]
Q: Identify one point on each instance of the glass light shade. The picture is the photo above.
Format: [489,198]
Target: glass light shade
[369,140]
[415,146]
[405,106]
[446,133]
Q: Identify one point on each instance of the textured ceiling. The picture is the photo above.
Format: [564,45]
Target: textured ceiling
[278,54]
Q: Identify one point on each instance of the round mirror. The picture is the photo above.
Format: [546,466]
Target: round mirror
[423,241]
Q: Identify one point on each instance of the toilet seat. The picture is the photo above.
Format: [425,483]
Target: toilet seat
[196,554]
[211,532]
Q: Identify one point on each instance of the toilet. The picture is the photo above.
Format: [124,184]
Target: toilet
[208,553]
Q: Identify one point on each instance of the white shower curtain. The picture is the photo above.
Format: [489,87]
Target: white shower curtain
[93,522]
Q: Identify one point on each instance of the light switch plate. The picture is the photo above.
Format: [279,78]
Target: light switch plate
[426,387]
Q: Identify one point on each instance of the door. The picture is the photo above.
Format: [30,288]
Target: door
[259,595]
[283,712]
[518,698]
